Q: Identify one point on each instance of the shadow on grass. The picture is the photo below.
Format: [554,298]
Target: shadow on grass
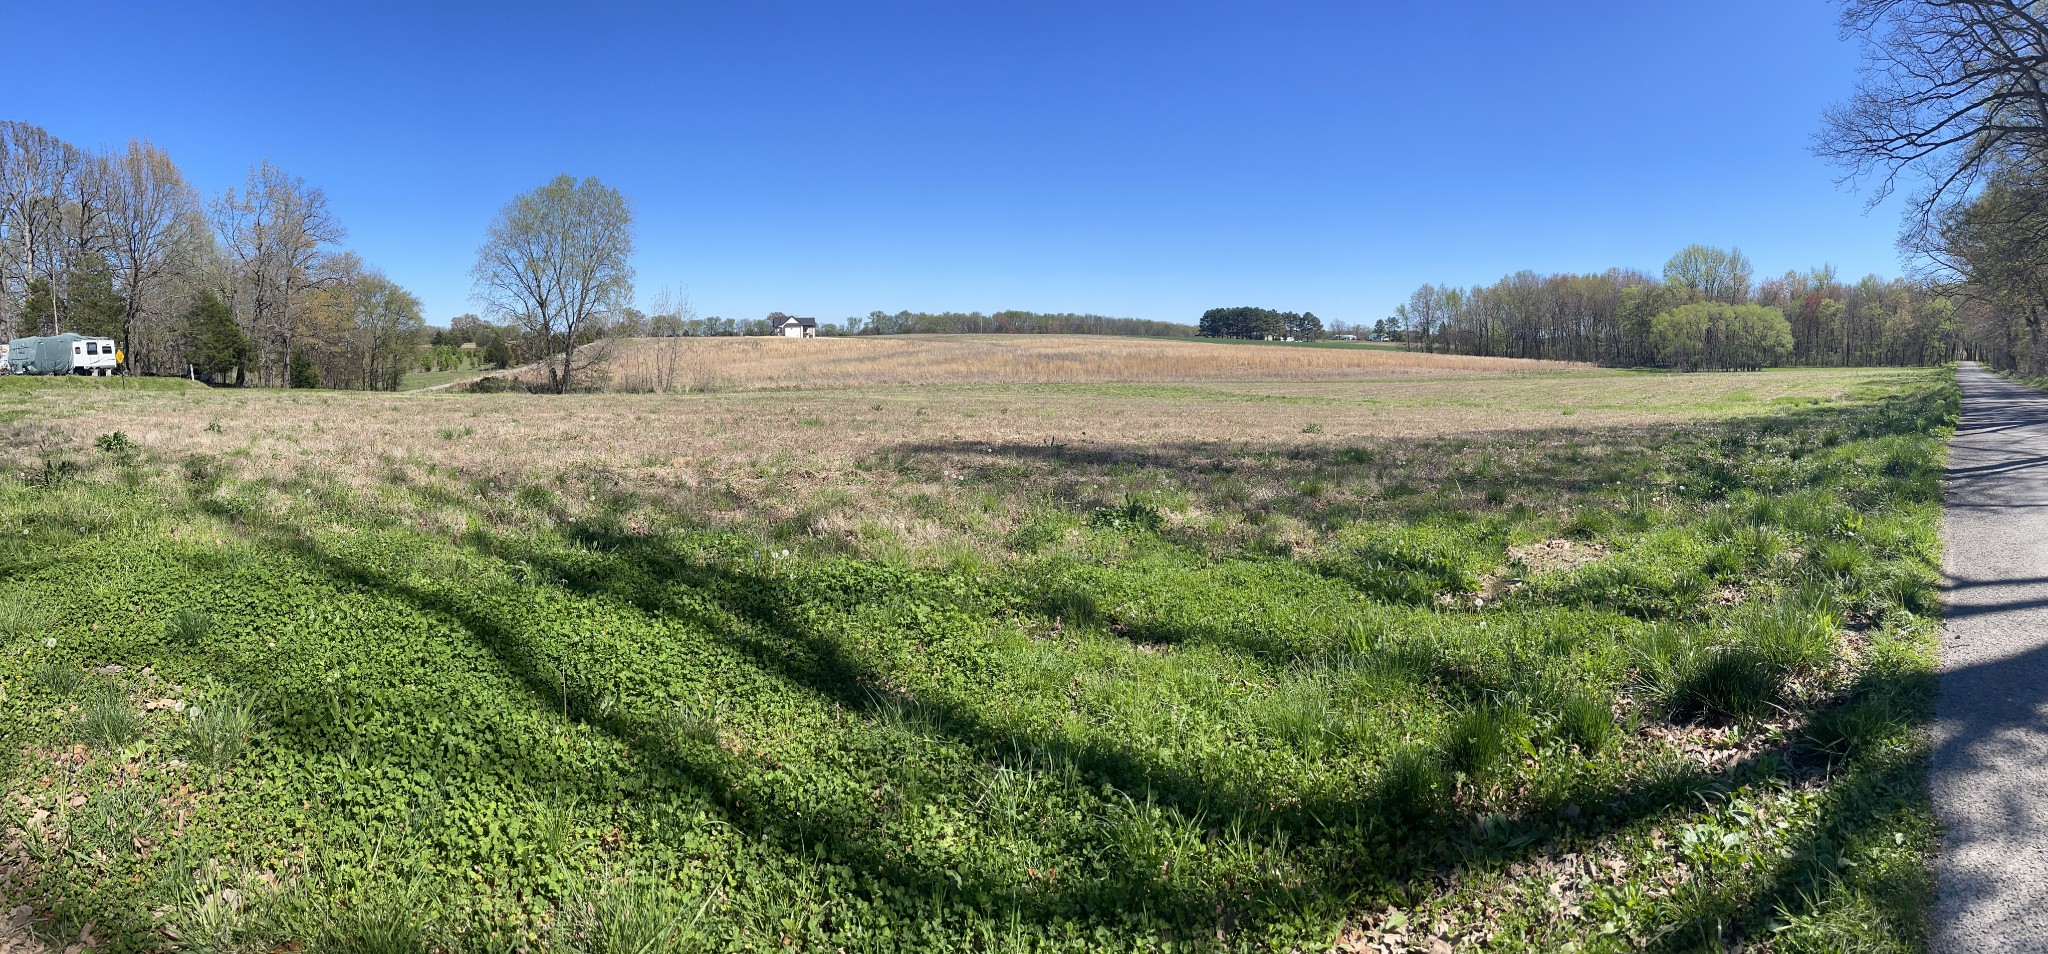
[1363,849]
[1371,844]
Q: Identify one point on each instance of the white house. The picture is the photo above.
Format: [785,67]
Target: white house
[788,327]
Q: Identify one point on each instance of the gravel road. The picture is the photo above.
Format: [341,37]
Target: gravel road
[1990,766]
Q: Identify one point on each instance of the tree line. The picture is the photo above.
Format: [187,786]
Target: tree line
[1706,310]
[249,284]
[1259,323]
[664,319]
[1009,323]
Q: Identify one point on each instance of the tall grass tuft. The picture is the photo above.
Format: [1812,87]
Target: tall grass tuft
[1483,737]
[1414,784]
[1799,635]
[634,917]
[187,627]
[57,677]
[19,617]
[107,719]
[1586,720]
[375,932]
[1691,677]
[1843,730]
[217,731]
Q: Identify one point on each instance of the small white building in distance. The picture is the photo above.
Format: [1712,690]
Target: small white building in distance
[785,326]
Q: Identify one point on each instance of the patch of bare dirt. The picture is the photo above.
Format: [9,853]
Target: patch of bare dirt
[1550,556]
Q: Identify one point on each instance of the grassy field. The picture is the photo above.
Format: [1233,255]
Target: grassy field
[1567,661]
[719,364]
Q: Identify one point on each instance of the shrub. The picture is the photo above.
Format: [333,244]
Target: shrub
[116,444]
[1133,515]
[305,374]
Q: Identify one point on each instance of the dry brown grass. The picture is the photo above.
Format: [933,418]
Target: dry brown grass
[711,364]
[909,466]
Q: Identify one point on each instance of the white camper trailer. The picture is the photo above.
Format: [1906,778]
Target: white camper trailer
[63,354]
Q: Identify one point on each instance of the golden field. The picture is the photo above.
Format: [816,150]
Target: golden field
[709,364]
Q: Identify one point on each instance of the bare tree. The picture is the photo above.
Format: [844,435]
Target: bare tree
[668,315]
[556,262]
[150,208]
[84,239]
[1951,91]
[35,178]
[274,231]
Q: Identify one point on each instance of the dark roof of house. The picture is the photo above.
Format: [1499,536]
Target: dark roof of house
[801,322]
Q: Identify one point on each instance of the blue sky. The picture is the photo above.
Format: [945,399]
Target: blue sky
[1141,159]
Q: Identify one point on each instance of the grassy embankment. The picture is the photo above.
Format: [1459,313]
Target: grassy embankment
[1081,667]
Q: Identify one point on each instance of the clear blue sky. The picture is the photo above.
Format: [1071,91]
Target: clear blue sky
[1142,159]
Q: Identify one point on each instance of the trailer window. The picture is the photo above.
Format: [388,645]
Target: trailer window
[92,347]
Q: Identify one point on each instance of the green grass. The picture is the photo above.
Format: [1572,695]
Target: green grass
[1130,725]
[19,383]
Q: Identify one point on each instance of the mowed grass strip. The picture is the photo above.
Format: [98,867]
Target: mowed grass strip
[1603,689]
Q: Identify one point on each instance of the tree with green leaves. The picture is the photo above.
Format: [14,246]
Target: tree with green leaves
[1681,337]
[38,309]
[93,307]
[498,352]
[1753,337]
[1705,273]
[305,374]
[1303,327]
[1710,335]
[389,322]
[557,263]
[1248,322]
[214,344]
